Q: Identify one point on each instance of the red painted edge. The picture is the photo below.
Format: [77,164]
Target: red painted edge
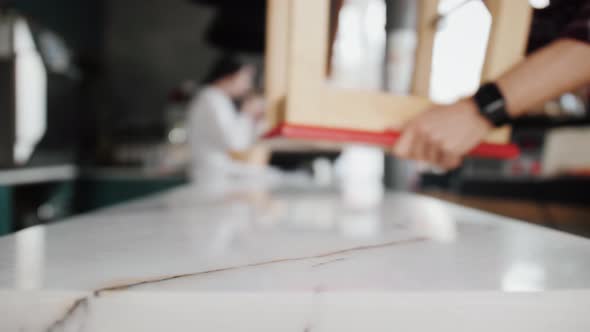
[485,150]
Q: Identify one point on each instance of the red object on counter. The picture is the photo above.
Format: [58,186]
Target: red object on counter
[485,150]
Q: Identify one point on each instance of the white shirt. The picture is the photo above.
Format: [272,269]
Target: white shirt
[215,129]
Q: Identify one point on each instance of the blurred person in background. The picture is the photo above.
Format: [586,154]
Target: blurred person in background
[443,135]
[225,120]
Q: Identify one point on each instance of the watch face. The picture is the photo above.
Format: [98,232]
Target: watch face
[495,106]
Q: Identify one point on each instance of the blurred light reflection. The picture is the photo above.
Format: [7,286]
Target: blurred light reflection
[30,258]
[524,277]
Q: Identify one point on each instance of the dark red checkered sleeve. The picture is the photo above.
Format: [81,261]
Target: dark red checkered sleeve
[579,28]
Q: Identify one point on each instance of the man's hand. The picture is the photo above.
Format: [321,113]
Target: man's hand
[443,135]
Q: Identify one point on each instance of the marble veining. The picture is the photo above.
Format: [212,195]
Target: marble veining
[82,303]
[302,255]
[79,305]
[254,265]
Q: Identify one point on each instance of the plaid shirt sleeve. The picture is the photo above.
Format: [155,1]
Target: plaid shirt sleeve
[579,28]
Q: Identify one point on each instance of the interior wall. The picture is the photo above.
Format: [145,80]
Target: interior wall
[150,47]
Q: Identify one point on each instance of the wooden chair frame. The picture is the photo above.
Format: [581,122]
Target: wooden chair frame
[302,100]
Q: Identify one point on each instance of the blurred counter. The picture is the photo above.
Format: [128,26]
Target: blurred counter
[59,175]
[34,175]
[292,260]
[42,194]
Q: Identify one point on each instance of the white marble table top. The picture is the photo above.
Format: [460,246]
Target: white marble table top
[413,263]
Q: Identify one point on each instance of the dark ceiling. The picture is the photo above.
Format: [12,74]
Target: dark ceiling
[239,25]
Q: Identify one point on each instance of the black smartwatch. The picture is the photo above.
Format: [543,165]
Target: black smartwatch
[491,104]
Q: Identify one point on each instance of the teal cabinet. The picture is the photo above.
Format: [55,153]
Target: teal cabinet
[6,217]
[98,193]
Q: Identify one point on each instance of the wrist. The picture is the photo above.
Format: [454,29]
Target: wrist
[471,106]
[491,104]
